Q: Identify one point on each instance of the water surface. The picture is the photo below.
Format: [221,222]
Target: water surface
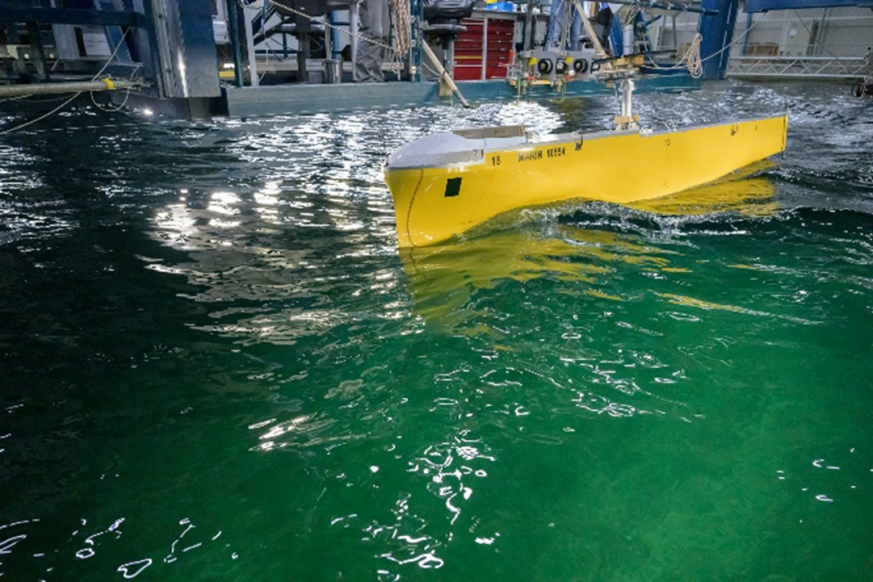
[216,364]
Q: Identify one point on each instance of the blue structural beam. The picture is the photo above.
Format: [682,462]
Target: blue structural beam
[717,30]
[765,5]
[616,37]
[71,16]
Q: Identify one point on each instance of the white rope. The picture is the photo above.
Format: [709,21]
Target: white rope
[401,14]
[13,98]
[29,98]
[112,56]
[692,59]
[738,39]
[433,72]
[40,118]
[111,108]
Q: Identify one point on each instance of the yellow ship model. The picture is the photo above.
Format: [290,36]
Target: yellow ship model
[447,183]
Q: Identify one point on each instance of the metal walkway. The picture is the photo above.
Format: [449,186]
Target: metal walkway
[799,67]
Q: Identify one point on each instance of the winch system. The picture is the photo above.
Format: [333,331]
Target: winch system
[553,67]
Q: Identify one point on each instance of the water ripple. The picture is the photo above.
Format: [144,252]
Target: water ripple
[217,364]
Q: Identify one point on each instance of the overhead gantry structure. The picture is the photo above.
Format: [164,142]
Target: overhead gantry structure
[167,51]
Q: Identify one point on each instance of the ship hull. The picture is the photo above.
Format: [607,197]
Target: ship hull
[445,184]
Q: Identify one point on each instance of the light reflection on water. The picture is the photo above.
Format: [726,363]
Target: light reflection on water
[270,390]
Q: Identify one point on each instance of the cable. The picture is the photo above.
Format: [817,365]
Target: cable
[692,58]
[270,51]
[402,16]
[430,69]
[40,118]
[111,108]
[738,39]
[28,99]
[112,56]
[13,98]
[796,13]
[70,100]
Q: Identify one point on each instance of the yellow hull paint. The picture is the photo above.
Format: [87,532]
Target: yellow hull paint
[435,203]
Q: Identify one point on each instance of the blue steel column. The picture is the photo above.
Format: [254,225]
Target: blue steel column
[186,48]
[616,37]
[197,48]
[717,30]
[236,45]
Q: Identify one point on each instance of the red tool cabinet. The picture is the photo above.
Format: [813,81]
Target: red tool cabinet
[485,50]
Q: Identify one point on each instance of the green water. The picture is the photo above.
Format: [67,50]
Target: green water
[215,364]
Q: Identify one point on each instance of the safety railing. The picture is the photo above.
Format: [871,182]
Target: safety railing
[826,67]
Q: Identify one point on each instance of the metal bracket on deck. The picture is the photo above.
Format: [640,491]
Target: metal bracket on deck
[627,119]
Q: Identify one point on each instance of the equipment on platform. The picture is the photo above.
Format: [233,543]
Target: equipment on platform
[445,10]
[552,67]
[441,26]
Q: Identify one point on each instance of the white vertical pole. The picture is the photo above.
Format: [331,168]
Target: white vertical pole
[250,47]
[484,45]
[353,25]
